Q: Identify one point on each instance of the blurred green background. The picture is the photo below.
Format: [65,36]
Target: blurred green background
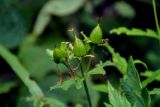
[28,27]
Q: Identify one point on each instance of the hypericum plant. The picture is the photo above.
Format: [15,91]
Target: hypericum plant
[131,94]
[131,91]
[79,49]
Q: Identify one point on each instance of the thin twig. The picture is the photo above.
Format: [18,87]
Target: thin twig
[156,17]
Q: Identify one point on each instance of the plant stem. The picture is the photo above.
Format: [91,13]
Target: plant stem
[156,18]
[89,64]
[90,60]
[85,82]
[85,86]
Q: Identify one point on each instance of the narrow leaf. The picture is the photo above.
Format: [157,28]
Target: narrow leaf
[107,105]
[146,97]
[135,32]
[116,98]
[55,102]
[67,84]
[118,61]
[99,69]
[155,91]
[149,74]
[140,62]
[152,78]
[131,85]
[21,72]
[101,88]
[7,86]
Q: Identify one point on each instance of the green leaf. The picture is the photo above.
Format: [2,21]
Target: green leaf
[133,76]
[101,88]
[135,32]
[21,72]
[124,9]
[131,85]
[99,69]
[12,29]
[155,91]
[41,23]
[137,61]
[79,105]
[67,84]
[73,94]
[37,103]
[116,98]
[62,7]
[59,93]
[55,102]
[30,51]
[146,97]
[108,105]
[120,63]
[149,74]
[57,8]
[151,78]
[117,60]
[49,52]
[7,86]
[29,54]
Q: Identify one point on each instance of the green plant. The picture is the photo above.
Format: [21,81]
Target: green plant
[82,62]
[152,75]
[139,32]
[131,91]
[79,50]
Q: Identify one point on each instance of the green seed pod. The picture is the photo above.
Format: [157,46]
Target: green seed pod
[96,35]
[87,47]
[59,55]
[79,48]
[63,47]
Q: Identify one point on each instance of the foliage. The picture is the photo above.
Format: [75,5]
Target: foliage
[121,8]
[135,32]
[86,68]
[131,92]
[116,99]
[133,88]
[7,86]
[55,7]
[151,77]
[22,73]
